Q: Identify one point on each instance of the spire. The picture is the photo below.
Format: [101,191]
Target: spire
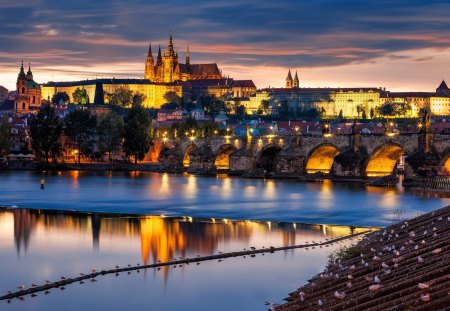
[296,81]
[170,46]
[289,76]
[29,69]
[188,56]
[22,71]
[150,50]
[443,89]
[159,58]
[289,80]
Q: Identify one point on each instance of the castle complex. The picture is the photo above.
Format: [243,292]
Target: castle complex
[348,102]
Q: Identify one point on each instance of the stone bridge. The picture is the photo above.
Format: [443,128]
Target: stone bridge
[349,155]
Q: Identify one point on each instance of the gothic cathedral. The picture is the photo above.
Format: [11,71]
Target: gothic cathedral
[168,69]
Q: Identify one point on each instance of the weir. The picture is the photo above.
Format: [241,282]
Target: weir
[187,261]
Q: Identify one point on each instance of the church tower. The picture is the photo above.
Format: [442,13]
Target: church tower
[28,97]
[296,81]
[150,65]
[169,61]
[289,81]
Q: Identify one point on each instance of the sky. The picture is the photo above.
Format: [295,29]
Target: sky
[397,44]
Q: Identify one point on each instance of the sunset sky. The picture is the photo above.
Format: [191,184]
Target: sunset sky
[400,45]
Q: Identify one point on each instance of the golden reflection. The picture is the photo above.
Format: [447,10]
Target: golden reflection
[74,175]
[191,187]
[226,191]
[326,194]
[270,191]
[164,188]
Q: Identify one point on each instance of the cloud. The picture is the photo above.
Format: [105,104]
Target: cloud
[234,33]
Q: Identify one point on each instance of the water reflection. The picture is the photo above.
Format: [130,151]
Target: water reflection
[161,238]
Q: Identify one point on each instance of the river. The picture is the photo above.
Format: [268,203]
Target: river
[147,217]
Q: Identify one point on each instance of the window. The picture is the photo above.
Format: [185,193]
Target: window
[23,106]
[23,90]
[34,99]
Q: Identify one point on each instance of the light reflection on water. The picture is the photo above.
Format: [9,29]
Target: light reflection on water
[36,245]
[218,197]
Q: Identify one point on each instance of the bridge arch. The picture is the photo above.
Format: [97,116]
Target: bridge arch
[266,157]
[187,154]
[321,158]
[444,166]
[160,153]
[222,158]
[383,160]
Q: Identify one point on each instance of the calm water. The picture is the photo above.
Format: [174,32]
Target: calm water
[232,198]
[36,245]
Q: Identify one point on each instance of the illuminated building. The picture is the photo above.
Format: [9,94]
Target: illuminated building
[350,102]
[153,92]
[169,69]
[28,97]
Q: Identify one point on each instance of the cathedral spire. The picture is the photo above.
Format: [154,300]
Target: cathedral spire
[289,80]
[188,56]
[149,65]
[159,58]
[170,46]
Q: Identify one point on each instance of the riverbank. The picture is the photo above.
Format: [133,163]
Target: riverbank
[404,266]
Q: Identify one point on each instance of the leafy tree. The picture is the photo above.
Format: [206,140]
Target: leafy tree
[364,115]
[60,96]
[137,133]
[172,97]
[283,109]
[372,113]
[169,106]
[359,109]
[110,131]
[45,131]
[341,114]
[122,97]
[81,131]
[240,112]
[138,99]
[5,135]
[387,109]
[402,109]
[80,96]
[213,105]
[264,106]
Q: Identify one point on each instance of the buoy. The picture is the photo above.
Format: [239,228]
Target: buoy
[42,183]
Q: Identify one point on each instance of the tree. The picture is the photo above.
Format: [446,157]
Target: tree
[5,135]
[341,114]
[60,96]
[359,109]
[110,131]
[402,109]
[80,96]
[137,133]
[364,115]
[283,109]
[372,113]
[138,99]
[81,130]
[187,125]
[172,97]
[240,112]
[387,109]
[45,132]
[122,97]
[264,106]
[213,105]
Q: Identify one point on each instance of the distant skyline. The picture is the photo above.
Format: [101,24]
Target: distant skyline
[400,45]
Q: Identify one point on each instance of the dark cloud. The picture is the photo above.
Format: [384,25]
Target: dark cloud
[242,32]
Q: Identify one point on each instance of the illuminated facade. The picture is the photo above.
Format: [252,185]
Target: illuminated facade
[153,92]
[348,102]
[169,69]
[28,97]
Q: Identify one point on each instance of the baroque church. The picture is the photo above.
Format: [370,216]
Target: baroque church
[28,97]
[169,69]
